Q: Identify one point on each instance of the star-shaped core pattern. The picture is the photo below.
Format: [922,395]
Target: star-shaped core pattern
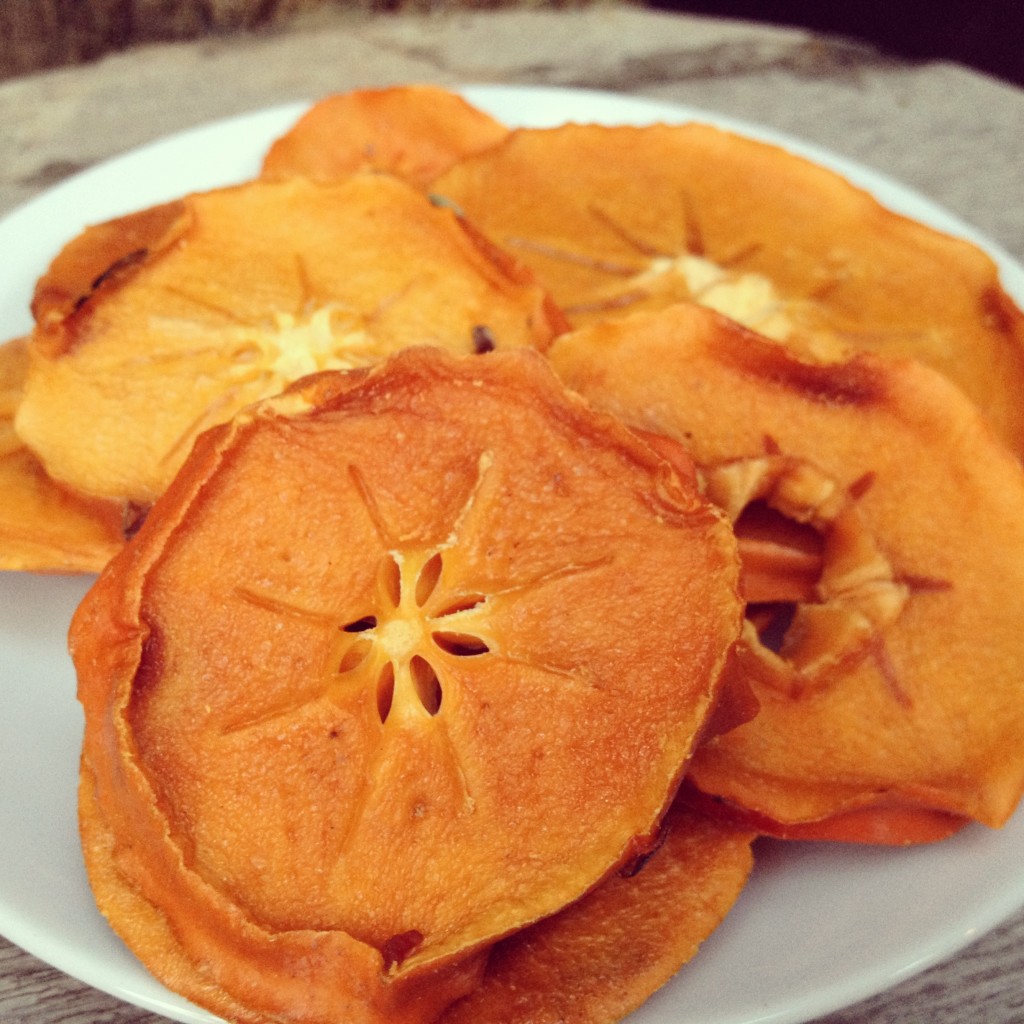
[397,646]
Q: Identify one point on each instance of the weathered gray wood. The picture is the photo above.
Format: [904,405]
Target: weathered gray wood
[48,33]
[38,34]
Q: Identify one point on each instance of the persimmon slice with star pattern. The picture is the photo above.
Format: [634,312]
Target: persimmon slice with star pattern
[242,291]
[618,219]
[413,131]
[889,683]
[406,659]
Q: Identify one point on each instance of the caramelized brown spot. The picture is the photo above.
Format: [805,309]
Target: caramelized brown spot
[998,310]
[636,864]
[483,339]
[151,664]
[133,516]
[854,382]
[931,583]
[861,485]
[128,260]
[399,947]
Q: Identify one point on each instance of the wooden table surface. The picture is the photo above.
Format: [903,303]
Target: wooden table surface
[954,135]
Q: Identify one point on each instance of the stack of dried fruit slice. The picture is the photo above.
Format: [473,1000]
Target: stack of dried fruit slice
[236,293]
[623,221]
[155,325]
[389,702]
[618,219]
[891,705]
[393,670]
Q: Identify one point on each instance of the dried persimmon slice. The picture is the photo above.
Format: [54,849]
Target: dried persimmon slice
[405,659]
[250,288]
[894,685]
[604,956]
[617,219]
[44,527]
[414,131]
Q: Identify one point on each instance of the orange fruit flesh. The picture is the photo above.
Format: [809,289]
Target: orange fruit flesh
[96,257]
[601,958]
[420,616]
[252,287]
[413,131]
[619,219]
[918,707]
[44,527]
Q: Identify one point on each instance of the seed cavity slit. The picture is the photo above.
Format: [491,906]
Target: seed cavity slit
[385,691]
[391,581]
[353,657]
[463,645]
[427,684]
[462,604]
[772,622]
[367,622]
[429,575]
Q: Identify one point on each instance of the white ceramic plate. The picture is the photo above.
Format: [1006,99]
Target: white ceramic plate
[818,927]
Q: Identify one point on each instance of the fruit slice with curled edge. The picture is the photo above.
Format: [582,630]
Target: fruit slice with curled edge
[891,702]
[99,254]
[404,660]
[601,958]
[414,131]
[617,219]
[242,291]
[44,527]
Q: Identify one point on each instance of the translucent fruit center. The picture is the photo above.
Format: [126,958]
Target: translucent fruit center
[400,646]
[749,298]
[326,339]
